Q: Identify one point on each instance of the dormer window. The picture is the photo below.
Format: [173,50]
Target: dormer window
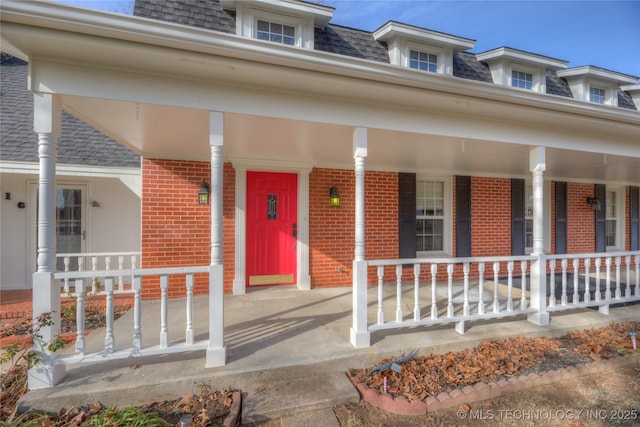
[290,23]
[421,49]
[277,33]
[596,95]
[423,61]
[594,84]
[519,69]
[521,80]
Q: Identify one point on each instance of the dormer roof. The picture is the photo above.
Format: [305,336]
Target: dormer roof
[598,73]
[393,29]
[321,14]
[521,57]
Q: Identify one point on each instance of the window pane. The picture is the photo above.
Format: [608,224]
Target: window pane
[611,204]
[423,61]
[611,233]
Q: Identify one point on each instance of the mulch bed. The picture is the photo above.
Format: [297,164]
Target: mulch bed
[496,360]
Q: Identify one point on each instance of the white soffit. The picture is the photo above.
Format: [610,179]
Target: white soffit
[598,73]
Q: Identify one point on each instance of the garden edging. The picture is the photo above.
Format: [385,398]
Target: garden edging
[484,391]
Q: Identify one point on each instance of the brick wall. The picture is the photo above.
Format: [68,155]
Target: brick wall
[581,233]
[176,230]
[490,216]
[332,229]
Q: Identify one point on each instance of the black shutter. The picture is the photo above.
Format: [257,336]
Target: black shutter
[407,215]
[463,216]
[634,218]
[601,218]
[561,217]
[517,217]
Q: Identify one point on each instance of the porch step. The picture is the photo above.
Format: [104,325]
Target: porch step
[309,397]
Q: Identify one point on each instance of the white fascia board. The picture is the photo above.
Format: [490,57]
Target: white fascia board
[521,57]
[152,33]
[394,29]
[70,170]
[321,14]
[599,73]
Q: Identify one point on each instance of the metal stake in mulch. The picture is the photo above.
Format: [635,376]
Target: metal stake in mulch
[633,335]
[395,364]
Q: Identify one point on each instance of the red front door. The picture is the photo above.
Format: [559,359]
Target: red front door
[272,228]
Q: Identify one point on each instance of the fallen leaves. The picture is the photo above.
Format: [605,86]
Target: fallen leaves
[429,375]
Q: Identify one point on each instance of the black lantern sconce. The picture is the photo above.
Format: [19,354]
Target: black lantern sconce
[594,203]
[203,194]
[334,196]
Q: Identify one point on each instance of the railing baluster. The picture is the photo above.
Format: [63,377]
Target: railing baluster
[120,277]
[552,283]
[563,299]
[510,286]
[597,291]
[607,263]
[67,263]
[618,291]
[137,314]
[133,266]
[496,300]
[576,279]
[94,268]
[399,293]
[164,332]
[108,337]
[416,287]
[481,288]
[627,292]
[587,280]
[434,295]
[450,312]
[79,287]
[380,295]
[465,306]
[523,298]
[189,331]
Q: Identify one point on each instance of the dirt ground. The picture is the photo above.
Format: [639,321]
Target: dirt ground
[608,399]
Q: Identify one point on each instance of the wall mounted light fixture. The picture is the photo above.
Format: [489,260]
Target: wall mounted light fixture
[594,203]
[203,194]
[334,196]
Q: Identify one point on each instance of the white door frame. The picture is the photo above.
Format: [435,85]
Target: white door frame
[32,228]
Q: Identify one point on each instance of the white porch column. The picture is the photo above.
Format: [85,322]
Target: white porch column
[216,351]
[537,165]
[46,295]
[360,336]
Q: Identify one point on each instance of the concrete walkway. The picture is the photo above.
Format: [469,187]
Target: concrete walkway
[287,350]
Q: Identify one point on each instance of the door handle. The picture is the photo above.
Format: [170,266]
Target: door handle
[294,230]
[84,234]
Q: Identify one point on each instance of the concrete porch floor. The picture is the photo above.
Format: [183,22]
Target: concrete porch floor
[287,350]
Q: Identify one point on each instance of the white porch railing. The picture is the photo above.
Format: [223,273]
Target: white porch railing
[109,278]
[492,293]
[588,280]
[428,291]
[97,261]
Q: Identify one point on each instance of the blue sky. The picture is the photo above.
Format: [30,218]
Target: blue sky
[601,33]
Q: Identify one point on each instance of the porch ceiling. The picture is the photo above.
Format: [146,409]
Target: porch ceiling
[182,133]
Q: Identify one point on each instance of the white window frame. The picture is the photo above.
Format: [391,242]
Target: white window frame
[517,78]
[538,77]
[610,92]
[619,216]
[428,54]
[446,226]
[602,91]
[247,18]
[444,55]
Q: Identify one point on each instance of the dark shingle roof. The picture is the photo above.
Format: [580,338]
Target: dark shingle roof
[206,14]
[79,144]
[333,38]
[350,42]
